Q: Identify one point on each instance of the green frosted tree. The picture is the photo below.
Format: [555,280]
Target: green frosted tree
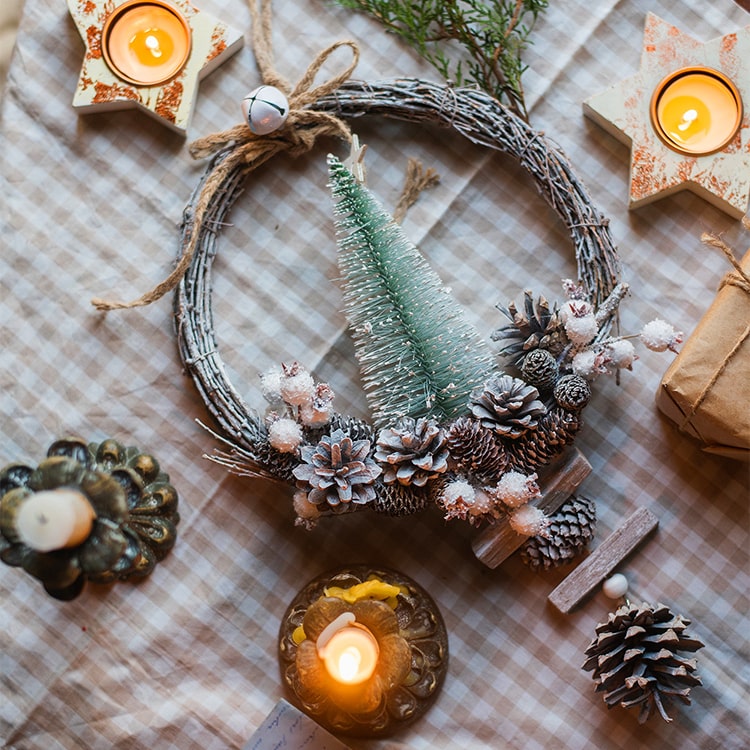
[418,355]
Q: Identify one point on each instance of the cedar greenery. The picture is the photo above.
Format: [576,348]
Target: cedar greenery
[493,36]
[418,355]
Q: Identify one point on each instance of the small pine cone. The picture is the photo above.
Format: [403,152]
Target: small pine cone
[507,405]
[475,450]
[569,532]
[401,500]
[635,659]
[412,452]
[572,392]
[280,465]
[356,429]
[557,428]
[539,368]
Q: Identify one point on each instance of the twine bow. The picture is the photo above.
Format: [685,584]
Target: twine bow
[247,151]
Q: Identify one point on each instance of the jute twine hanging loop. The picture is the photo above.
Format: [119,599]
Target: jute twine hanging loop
[247,151]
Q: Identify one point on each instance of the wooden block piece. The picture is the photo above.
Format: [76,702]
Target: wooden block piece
[495,543]
[603,560]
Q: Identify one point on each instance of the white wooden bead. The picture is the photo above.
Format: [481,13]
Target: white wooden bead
[265,109]
[615,586]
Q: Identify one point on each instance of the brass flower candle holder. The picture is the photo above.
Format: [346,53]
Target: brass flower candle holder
[99,511]
[363,651]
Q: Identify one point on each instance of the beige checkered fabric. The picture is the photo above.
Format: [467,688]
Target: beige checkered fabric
[186,659]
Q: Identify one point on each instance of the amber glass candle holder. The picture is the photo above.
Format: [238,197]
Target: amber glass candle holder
[410,650]
[696,111]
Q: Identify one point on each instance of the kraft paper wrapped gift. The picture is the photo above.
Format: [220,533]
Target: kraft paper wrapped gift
[706,390]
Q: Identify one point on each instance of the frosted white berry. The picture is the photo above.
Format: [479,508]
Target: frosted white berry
[658,335]
[529,520]
[285,435]
[515,489]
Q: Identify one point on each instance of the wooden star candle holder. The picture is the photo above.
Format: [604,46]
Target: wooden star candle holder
[685,115]
[148,54]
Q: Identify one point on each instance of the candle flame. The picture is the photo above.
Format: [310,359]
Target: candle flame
[349,662]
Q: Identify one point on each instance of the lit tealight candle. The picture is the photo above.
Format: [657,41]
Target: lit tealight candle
[54,519]
[349,650]
[146,42]
[696,111]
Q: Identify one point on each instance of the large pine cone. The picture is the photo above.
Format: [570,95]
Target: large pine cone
[412,452]
[475,450]
[507,405]
[569,532]
[536,326]
[338,470]
[635,661]
[556,429]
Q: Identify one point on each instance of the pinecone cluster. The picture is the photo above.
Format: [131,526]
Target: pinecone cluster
[636,661]
[569,533]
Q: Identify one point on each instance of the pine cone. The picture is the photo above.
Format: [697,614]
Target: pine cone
[356,429]
[536,327]
[556,429]
[475,450]
[635,661]
[572,392]
[412,452]
[569,532]
[280,465]
[539,368]
[337,470]
[400,500]
[507,405]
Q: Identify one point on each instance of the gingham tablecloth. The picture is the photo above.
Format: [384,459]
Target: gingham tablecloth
[187,659]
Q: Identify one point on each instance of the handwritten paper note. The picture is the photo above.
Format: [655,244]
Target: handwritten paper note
[288,728]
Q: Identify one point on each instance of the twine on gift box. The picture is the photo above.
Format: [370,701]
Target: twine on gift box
[246,151]
[740,279]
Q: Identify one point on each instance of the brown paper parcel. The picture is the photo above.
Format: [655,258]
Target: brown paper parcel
[706,390]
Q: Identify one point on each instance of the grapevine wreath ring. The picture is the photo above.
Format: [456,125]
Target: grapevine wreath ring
[473,437]
[474,466]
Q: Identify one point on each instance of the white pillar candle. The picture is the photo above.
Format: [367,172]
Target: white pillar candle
[53,519]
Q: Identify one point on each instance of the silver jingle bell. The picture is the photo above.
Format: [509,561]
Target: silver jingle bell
[265,109]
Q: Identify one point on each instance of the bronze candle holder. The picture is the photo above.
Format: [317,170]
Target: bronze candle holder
[411,651]
[102,512]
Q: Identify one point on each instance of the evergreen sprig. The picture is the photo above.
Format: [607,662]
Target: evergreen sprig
[418,355]
[493,36]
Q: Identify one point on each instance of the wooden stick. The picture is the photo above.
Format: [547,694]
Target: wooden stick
[497,542]
[603,560]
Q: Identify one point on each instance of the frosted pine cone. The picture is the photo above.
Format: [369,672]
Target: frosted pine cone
[635,659]
[356,429]
[556,429]
[539,368]
[412,452]
[475,450]
[536,326]
[570,530]
[338,470]
[507,405]
[572,392]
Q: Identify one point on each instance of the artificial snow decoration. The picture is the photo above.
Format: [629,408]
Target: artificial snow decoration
[270,385]
[515,489]
[658,335]
[284,434]
[529,521]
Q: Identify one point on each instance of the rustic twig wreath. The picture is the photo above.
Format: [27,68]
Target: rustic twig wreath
[473,441]
[508,429]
